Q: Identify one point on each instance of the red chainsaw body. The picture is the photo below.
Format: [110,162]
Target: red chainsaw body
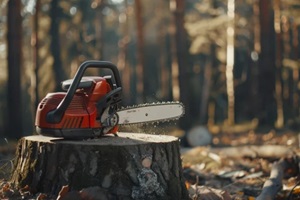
[88,108]
[82,112]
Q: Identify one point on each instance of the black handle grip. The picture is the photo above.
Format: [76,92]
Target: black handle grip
[56,115]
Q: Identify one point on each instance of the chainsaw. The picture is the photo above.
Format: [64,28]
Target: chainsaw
[90,106]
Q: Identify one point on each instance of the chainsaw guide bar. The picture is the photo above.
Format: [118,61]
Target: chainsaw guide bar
[150,113]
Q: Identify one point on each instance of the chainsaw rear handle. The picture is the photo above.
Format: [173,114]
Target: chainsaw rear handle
[56,115]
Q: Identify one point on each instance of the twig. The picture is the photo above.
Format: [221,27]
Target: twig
[274,183]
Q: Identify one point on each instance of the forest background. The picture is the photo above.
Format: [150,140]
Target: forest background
[229,61]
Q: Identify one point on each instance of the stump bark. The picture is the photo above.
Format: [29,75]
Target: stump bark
[131,166]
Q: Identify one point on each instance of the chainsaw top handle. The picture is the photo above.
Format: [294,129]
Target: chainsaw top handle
[56,115]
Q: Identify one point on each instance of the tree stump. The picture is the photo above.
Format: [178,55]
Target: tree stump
[131,166]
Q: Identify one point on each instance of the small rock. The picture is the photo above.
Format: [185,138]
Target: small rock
[199,136]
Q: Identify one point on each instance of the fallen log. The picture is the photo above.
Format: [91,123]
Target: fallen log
[254,151]
[131,166]
[203,154]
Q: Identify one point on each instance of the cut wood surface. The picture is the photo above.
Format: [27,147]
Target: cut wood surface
[130,166]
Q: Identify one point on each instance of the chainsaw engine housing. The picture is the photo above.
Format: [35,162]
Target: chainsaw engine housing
[82,116]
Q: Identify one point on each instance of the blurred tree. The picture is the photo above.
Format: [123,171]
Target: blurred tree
[99,30]
[35,91]
[279,123]
[255,48]
[287,21]
[163,19]
[14,59]
[230,89]
[182,61]
[122,56]
[205,25]
[56,14]
[140,51]
[266,79]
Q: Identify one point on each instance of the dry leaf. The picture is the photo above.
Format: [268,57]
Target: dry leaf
[207,193]
[41,196]
[64,190]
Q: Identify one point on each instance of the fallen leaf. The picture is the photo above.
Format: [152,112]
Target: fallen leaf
[41,196]
[64,190]
[208,193]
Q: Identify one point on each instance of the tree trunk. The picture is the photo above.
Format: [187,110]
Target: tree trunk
[230,63]
[210,63]
[123,65]
[278,65]
[59,72]
[140,49]
[267,69]
[254,97]
[14,59]
[161,41]
[35,77]
[131,166]
[182,60]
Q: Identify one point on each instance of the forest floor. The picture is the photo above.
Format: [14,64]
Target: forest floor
[235,166]
[238,165]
